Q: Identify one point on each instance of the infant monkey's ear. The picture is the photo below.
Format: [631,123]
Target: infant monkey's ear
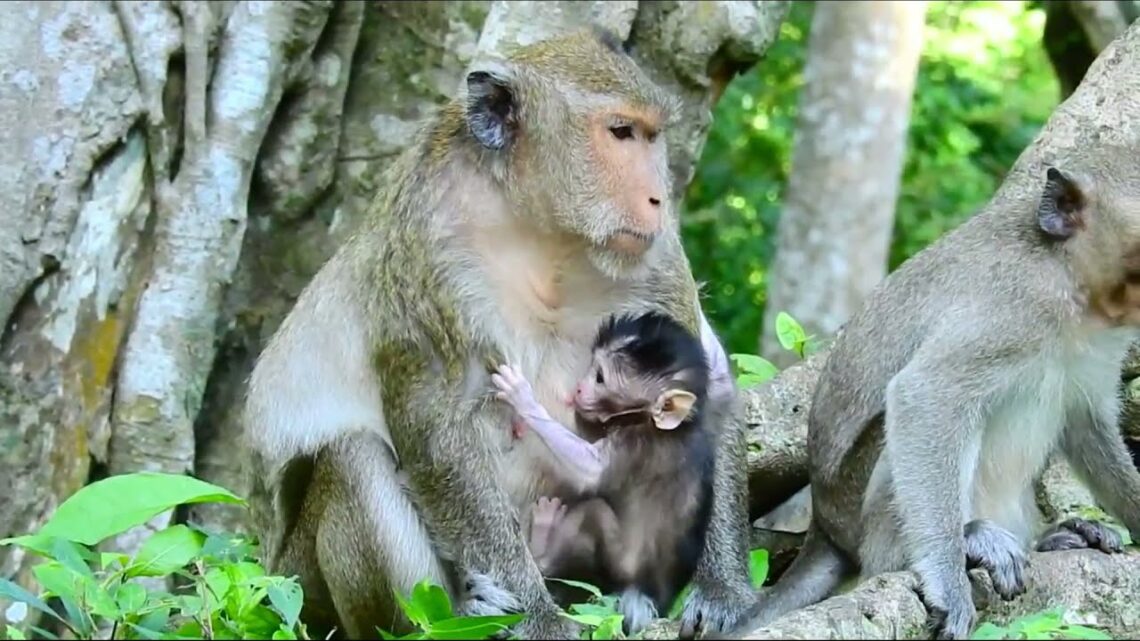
[672,408]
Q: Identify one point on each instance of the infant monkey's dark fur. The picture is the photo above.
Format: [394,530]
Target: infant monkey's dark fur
[635,503]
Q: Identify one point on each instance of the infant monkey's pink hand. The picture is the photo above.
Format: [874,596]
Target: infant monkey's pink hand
[514,389]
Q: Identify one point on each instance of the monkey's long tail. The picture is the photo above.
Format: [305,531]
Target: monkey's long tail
[815,573]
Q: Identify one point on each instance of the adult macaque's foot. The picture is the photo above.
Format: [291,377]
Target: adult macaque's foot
[1077,533]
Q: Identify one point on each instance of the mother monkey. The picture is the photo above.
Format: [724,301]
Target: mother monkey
[523,213]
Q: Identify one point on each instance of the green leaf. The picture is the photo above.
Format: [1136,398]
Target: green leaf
[60,582]
[472,627]
[100,603]
[145,632]
[13,592]
[790,334]
[166,551]
[591,620]
[284,634]
[14,634]
[580,585]
[609,628]
[755,365]
[679,603]
[594,609]
[432,601]
[154,621]
[412,610]
[115,504]
[131,597]
[758,566]
[987,631]
[286,599]
[72,556]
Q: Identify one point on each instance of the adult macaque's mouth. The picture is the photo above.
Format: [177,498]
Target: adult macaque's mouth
[630,241]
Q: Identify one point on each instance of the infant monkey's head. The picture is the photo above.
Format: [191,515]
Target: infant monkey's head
[647,365]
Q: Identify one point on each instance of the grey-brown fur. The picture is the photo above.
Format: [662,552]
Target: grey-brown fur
[973,361]
[631,511]
[377,455]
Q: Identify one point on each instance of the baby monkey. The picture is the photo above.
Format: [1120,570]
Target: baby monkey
[633,506]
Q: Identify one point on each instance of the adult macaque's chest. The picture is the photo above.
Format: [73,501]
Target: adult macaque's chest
[553,366]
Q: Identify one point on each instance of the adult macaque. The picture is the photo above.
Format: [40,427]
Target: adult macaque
[631,510]
[525,211]
[942,399]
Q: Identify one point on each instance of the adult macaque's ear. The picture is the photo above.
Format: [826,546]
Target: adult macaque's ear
[672,408]
[1063,205]
[492,114]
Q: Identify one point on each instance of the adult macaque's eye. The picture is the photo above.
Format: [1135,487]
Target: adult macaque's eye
[598,377]
[621,132]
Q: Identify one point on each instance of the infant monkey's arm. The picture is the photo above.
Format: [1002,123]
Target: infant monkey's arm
[581,457]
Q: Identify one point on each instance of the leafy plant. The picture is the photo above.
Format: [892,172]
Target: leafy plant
[225,592]
[429,608]
[752,370]
[792,336]
[1049,624]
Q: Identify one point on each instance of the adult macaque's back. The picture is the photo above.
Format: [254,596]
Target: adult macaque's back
[526,211]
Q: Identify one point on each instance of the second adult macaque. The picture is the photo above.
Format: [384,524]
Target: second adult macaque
[633,506]
[943,398]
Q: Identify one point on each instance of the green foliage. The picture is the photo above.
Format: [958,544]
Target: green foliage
[224,593]
[1049,624]
[752,370]
[429,608]
[983,90]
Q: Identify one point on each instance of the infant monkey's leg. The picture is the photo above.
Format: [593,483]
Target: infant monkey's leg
[579,538]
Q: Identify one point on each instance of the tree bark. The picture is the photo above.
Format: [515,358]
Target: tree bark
[176,172]
[835,230]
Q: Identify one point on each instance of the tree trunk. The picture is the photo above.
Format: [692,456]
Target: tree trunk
[175,172]
[835,230]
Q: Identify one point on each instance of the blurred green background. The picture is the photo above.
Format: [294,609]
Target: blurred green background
[984,89]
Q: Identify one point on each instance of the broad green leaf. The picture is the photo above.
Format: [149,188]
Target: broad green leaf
[585,619]
[131,597]
[594,609]
[115,504]
[14,634]
[108,560]
[753,364]
[609,628]
[67,586]
[471,627]
[679,603]
[13,592]
[432,601]
[155,620]
[100,603]
[284,634]
[748,381]
[412,609]
[988,631]
[758,566]
[42,633]
[579,584]
[73,556]
[166,551]
[287,599]
[789,332]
